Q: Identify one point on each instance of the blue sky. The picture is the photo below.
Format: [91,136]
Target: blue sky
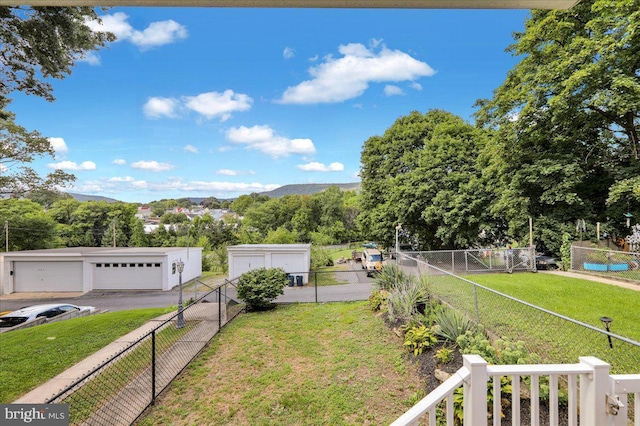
[197,102]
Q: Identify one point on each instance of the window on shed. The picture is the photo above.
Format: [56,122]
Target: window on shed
[98,265]
[173,268]
[157,265]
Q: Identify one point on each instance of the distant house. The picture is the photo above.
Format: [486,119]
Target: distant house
[295,259]
[83,269]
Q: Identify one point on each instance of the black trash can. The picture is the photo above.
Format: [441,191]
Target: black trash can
[299,280]
[291,280]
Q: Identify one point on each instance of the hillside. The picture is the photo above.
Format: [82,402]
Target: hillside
[309,189]
[83,197]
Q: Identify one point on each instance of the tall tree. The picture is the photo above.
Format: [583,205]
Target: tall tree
[29,227]
[423,173]
[37,43]
[568,116]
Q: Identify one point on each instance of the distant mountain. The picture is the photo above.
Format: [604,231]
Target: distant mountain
[83,197]
[309,189]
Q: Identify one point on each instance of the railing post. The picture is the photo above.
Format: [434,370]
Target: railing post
[315,279]
[475,391]
[219,309]
[153,366]
[593,392]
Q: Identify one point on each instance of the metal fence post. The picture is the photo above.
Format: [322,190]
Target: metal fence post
[219,308]
[475,300]
[571,268]
[453,262]
[315,279]
[153,366]
[466,261]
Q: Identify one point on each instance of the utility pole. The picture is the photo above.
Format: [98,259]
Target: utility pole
[113,226]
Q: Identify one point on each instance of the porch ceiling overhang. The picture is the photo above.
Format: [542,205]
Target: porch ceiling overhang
[375,4]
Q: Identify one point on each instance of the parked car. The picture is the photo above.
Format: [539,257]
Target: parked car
[30,313]
[546,263]
[370,244]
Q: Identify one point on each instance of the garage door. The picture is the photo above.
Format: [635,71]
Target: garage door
[242,264]
[127,276]
[47,276]
[293,263]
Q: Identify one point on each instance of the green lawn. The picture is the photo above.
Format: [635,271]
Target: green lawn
[301,364]
[30,357]
[576,298]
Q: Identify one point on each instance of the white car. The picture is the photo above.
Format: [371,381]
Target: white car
[30,313]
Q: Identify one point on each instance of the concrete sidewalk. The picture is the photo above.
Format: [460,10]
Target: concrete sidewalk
[624,284]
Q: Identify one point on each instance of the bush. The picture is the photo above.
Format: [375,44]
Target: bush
[378,300]
[408,298]
[259,287]
[417,339]
[389,276]
[451,324]
[320,258]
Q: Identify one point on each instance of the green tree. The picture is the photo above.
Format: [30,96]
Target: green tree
[567,118]
[281,236]
[29,227]
[423,173]
[37,43]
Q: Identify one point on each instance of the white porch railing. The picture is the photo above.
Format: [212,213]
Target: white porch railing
[600,399]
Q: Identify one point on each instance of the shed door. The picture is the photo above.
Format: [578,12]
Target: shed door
[242,264]
[47,276]
[127,276]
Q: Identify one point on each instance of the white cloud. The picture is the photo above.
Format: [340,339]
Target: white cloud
[191,148]
[73,166]
[124,184]
[229,172]
[120,161]
[58,145]
[391,90]
[156,34]
[3,168]
[288,53]
[314,166]
[91,58]
[416,86]
[337,80]
[264,139]
[152,166]
[157,107]
[314,58]
[214,104]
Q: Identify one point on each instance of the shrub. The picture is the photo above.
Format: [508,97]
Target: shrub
[417,339]
[407,298]
[259,287]
[444,355]
[320,258]
[378,300]
[451,324]
[389,276]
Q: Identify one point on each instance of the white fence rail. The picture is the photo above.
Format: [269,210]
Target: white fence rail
[595,398]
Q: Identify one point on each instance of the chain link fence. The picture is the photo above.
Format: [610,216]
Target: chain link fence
[606,263]
[119,390]
[554,337]
[479,260]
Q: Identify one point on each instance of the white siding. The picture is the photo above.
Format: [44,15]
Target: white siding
[290,262]
[127,276]
[47,276]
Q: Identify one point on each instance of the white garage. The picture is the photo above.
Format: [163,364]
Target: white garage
[83,269]
[295,259]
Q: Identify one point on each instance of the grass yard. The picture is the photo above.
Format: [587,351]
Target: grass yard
[579,299]
[32,356]
[300,364]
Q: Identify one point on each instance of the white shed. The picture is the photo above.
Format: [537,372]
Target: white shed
[83,269]
[295,259]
